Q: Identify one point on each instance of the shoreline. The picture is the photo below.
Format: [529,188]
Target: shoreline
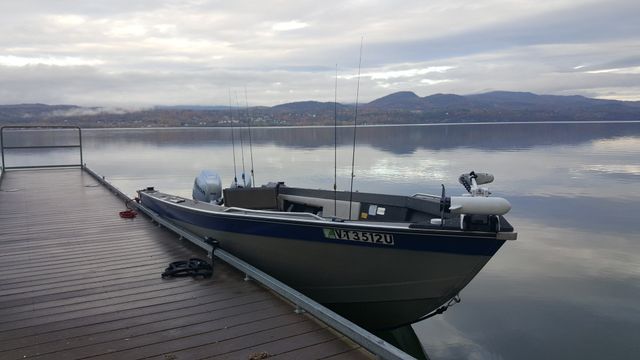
[367,125]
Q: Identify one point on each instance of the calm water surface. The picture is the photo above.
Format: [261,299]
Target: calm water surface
[569,287]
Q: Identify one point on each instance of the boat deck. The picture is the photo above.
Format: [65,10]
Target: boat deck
[80,282]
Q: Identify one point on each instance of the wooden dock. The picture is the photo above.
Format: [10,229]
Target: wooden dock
[80,282]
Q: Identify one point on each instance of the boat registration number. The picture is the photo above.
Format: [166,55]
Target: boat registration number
[363,236]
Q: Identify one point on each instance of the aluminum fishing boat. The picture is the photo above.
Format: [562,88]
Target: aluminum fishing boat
[380,260]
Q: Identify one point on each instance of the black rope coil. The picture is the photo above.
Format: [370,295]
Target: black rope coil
[192,267]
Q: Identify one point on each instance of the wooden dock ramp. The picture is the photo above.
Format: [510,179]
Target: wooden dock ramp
[77,282]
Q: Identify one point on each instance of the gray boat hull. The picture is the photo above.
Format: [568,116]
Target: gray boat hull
[361,284]
[378,275]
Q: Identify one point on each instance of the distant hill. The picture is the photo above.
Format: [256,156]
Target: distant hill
[29,111]
[308,106]
[520,99]
[195,107]
[402,100]
[402,107]
[505,106]
[515,100]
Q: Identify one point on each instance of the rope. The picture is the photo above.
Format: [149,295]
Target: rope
[456,299]
[193,267]
[128,214]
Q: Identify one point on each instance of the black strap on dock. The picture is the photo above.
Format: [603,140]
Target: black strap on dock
[192,267]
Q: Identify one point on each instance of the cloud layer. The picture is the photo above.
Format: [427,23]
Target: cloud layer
[140,53]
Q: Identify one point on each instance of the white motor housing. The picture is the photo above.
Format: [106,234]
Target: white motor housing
[479,205]
[207,187]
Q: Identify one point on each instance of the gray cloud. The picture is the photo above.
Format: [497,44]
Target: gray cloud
[123,53]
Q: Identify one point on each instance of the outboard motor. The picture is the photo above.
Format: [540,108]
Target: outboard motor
[207,187]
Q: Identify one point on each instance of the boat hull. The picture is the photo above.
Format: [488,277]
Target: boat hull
[375,285]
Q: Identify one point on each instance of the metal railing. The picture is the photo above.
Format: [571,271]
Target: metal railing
[3,146]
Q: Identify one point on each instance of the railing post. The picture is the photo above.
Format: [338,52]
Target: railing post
[80,141]
[2,145]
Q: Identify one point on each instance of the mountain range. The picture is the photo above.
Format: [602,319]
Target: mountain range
[399,107]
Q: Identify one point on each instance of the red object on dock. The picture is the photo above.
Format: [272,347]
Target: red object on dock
[128,214]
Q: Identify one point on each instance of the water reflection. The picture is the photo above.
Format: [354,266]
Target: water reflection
[568,288]
[555,293]
[396,139]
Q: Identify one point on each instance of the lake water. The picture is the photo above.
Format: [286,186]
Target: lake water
[569,287]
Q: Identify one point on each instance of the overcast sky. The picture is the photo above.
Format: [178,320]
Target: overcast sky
[137,53]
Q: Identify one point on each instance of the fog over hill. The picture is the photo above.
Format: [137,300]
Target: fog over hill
[398,108]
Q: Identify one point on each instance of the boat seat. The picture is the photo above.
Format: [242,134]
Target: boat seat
[262,198]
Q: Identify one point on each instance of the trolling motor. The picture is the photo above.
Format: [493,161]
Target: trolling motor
[471,181]
[476,206]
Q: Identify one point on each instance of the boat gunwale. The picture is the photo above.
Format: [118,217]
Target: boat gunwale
[327,221]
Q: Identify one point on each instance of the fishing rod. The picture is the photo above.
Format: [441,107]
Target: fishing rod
[253,176]
[335,146]
[355,123]
[233,143]
[244,181]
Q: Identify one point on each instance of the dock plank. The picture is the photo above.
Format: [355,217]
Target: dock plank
[80,282]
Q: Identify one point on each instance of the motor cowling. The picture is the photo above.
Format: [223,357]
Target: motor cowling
[478,205]
[207,187]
